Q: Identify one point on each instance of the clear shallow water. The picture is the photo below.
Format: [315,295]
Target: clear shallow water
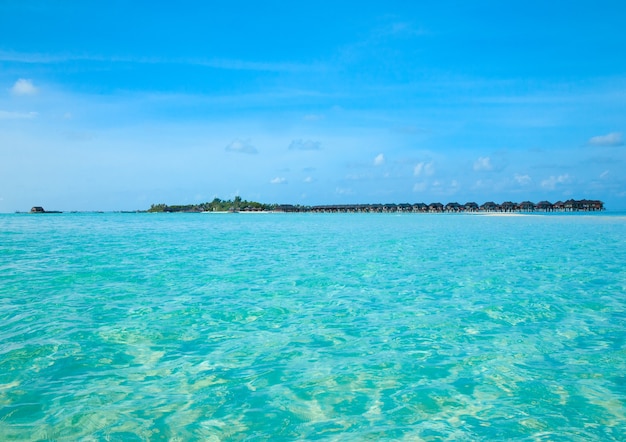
[286,326]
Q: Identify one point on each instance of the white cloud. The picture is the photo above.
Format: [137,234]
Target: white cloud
[308,179]
[358,176]
[551,182]
[522,180]
[227,64]
[304,145]
[400,30]
[419,187]
[24,87]
[483,164]
[278,180]
[612,139]
[8,115]
[379,160]
[343,191]
[313,117]
[422,168]
[241,146]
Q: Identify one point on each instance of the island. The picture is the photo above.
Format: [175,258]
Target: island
[39,209]
[239,205]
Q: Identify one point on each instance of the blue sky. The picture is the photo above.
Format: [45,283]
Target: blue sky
[117,105]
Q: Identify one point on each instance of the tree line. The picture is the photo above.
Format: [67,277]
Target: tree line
[217,205]
[240,205]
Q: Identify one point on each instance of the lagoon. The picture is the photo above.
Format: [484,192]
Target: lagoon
[312,326]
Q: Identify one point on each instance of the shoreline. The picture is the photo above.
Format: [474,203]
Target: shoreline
[280,212]
[506,208]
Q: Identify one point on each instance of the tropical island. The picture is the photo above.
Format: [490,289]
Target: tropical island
[217,205]
[39,209]
[240,205]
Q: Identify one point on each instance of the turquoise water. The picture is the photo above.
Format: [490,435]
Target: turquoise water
[307,326]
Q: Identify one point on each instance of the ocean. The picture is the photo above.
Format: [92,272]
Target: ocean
[250,327]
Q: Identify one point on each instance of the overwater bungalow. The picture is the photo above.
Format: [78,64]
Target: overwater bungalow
[508,206]
[526,206]
[470,206]
[435,207]
[420,207]
[591,205]
[570,205]
[490,206]
[286,208]
[544,206]
[453,207]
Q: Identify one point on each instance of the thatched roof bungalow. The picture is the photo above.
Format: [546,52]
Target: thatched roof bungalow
[526,206]
[508,206]
[490,206]
[570,205]
[435,207]
[420,207]
[471,206]
[591,205]
[545,206]
[286,208]
[453,207]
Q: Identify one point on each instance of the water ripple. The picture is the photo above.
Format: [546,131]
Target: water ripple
[364,327]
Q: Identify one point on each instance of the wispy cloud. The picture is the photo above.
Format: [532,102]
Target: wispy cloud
[393,30]
[246,65]
[420,187]
[8,115]
[522,180]
[551,183]
[313,117]
[278,180]
[379,160]
[226,64]
[24,87]
[612,139]
[344,191]
[241,146]
[438,187]
[483,164]
[408,129]
[304,145]
[423,168]
[32,58]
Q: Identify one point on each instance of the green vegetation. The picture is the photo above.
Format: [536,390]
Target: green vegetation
[217,205]
[239,205]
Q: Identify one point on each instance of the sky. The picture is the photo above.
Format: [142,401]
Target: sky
[116,105]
